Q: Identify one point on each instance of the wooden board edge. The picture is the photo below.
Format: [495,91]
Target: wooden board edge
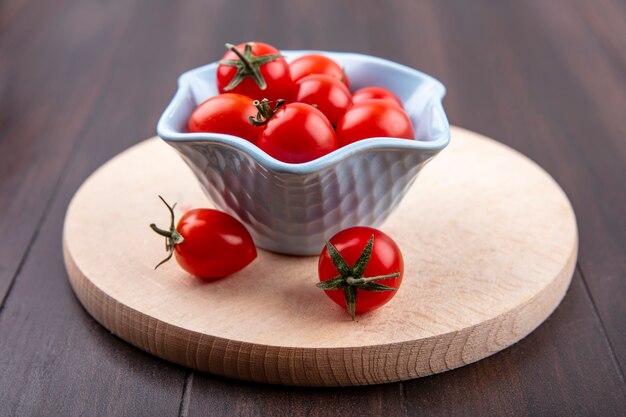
[329,367]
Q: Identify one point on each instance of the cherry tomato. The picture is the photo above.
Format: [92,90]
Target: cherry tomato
[360,269]
[225,113]
[295,132]
[369,93]
[207,243]
[373,118]
[326,93]
[317,64]
[256,70]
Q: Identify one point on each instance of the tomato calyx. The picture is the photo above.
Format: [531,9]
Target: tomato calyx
[265,111]
[351,279]
[248,65]
[172,237]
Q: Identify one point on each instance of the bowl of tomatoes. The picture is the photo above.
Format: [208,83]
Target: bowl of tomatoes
[299,145]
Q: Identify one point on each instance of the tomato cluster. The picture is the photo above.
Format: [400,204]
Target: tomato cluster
[297,111]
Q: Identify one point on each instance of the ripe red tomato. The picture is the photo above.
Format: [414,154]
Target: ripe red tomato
[326,93]
[373,118]
[225,113]
[360,269]
[208,243]
[256,70]
[317,64]
[295,132]
[369,93]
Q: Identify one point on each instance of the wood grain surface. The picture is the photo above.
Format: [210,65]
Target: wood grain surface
[82,80]
[489,243]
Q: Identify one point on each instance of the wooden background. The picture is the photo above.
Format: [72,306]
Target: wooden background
[82,80]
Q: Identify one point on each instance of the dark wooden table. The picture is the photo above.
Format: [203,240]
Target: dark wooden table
[82,80]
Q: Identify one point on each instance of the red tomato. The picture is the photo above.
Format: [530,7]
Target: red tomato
[317,64]
[256,70]
[225,113]
[373,118]
[208,243]
[369,93]
[295,132]
[326,93]
[360,269]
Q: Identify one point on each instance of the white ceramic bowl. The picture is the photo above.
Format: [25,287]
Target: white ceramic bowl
[294,208]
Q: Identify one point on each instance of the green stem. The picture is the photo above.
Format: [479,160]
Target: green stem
[359,281]
[160,231]
[265,112]
[241,56]
[172,237]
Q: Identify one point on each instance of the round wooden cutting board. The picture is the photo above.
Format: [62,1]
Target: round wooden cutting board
[489,242]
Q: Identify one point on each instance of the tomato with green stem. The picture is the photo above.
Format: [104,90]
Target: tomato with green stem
[207,243]
[256,70]
[361,269]
[227,114]
[293,133]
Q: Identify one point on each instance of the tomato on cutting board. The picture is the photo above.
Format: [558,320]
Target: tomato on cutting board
[207,243]
[360,269]
[256,70]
